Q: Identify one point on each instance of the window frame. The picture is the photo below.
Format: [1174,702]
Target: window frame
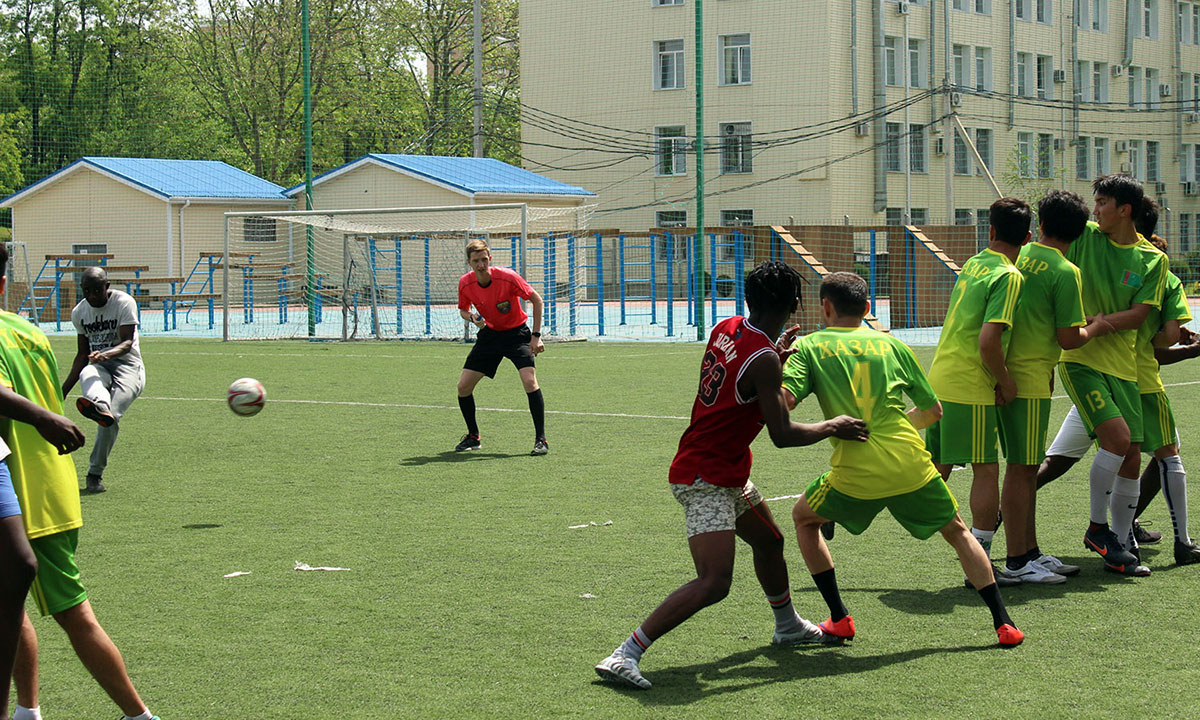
[735,57]
[678,60]
[678,150]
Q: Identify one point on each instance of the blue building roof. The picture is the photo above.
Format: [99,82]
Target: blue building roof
[469,174]
[172,178]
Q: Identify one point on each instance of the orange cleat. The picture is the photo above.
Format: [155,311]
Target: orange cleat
[841,630]
[1009,635]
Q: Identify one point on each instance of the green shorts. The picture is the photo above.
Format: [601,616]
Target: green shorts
[965,434]
[922,512]
[1099,397]
[1158,422]
[57,586]
[1023,424]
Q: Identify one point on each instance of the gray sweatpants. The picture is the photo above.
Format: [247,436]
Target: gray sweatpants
[114,386]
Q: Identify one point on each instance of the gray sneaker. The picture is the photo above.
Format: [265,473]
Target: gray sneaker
[622,670]
[1032,572]
[802,632]
[540,447]
[1056,566]
[1002,580]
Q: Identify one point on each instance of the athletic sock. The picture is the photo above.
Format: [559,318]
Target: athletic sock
[1034,553]
[991,596]
[1151,481]
[827,585]
[537,408]
[1100,483]
[144,716]
[467,406]
[785,614]
[985,538]
[1124,504]
[1017,562]
[635,645]
[23,713]
[1174,487]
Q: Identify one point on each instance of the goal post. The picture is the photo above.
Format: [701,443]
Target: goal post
[391,273]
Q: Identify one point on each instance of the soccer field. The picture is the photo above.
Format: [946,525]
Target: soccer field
[470,594]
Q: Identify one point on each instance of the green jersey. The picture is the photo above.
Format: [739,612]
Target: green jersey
[1114,278]
[1174,307]
[1050,299]
[865,373]
[45,481]
[986,291]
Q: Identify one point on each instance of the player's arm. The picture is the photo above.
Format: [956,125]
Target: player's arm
[471,317]
[766,376]
[1188,350]
[1070,338]
[82,350]
[991,351]
[58,430]
[1130,319]
[535,316]
[125,335]
[1167,336]
[922,419]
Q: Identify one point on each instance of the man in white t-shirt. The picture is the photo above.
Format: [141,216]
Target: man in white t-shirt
[108,364]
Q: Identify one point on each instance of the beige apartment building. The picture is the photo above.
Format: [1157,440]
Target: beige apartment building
[848,111]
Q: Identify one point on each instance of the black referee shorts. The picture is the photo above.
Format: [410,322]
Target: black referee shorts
[492,346]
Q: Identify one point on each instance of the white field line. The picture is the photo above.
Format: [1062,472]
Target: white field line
[339,356]
[414,406]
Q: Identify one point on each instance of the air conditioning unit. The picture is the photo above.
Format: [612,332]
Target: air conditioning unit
[1191,189]
[902,7]
[939,146]
[955,99]
[1121,146]
[1117,70]
[1160,188]
[862,129]
[1164,90]
[1060,76]
[1059,145]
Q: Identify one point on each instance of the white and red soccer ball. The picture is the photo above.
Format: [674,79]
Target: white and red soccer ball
[246,397]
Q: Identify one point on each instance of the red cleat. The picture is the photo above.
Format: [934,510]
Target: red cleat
[1009,635]
[841,630]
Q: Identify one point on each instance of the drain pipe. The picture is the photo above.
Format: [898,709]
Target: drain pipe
[854,58]
[879,101]
[1012,64]
[1131,21]
[907,131]
[932,68]
[1077,89]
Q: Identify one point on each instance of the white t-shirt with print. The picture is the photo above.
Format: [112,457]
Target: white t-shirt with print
[102,325]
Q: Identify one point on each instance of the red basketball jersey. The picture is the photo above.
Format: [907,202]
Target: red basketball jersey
[716,445]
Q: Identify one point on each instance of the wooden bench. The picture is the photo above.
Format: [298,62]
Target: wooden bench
[81,256]
[107,268]
[170,302]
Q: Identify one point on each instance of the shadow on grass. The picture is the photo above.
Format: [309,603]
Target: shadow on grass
[451,456]
[202,526]
[740,671]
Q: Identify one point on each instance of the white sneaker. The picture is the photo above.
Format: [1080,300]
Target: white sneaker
[622,670]
[1031,572]
[802,632]
[1056,566]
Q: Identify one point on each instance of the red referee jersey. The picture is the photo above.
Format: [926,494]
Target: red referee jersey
[716,445]
[498,303]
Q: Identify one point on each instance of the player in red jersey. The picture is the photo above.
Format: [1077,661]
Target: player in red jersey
[740,391]
[496,294]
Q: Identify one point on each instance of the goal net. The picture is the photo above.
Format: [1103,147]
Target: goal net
[391,273]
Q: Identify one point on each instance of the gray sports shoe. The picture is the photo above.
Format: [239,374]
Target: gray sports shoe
[802,632]
[1056,566]
[1032,572]
[622,670]
[1002,580]
[540,447]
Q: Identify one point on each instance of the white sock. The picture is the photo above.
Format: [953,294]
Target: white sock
[635,645]
[1124,505]
[144,716]
[1174,487]
[984,537]
[23,713]
[785,614]
[1100,483]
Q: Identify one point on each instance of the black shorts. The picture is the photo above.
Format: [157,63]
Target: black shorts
[492,346]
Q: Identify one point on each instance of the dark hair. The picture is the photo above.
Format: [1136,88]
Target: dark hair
[847,292]
[1147,217]
[1010,216]
[1123,188]
[1159,242]
[773,287]
[1063,215]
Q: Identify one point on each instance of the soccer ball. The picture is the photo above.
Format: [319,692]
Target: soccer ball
[246,397]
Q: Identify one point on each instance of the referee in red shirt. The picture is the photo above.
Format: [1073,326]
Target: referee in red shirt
[496,293]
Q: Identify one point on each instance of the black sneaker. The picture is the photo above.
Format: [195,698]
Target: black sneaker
[468,442]
[1144,536]
[1186,553]
[1131,569]
[540,447]
[827,529]
[1002,580]
[1105,542]
[92,411]
[93,485]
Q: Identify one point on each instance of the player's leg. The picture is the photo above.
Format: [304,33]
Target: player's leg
[95,401]
[978,569]
[1127,485]
[18,566]
[757,527]
[1070,444]
[537,409]
[481,362]
[1160,430]
[25,674]
[101,657]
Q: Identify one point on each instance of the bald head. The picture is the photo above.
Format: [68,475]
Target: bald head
[94,284]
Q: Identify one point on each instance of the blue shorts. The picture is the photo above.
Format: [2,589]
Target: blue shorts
[8,497]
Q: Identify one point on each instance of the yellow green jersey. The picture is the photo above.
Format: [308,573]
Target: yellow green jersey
[1115,277]
[1050,299]
[865,373]
[986,291]
[45,481]
[1174,307]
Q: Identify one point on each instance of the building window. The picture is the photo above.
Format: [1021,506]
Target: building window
[1082,82]
[916,63]
[1150,19]
[668,65]
[1186,172]
[1024,10]
[661,3]
[962,68]
[891,60]
[1025,154]
[1135,86]
[1023,67]
[893,155]
[670,150]
[737,218]
[916,149]
[735,59]
[1100,156]
[893,216]
[91,248]
[670,218]
[918,216]
[1045,166]
[983,7]
[983,222]
[960,5]
[963,217]
[1042,9]
[1136,168]
[1044,77]
[983,68]
[1083,153]
[259,229]
[1100,82]
[736,148]
[1185,231]
[962,157]
[983,143]
[1093,15]
[1152,100]
[1152,161]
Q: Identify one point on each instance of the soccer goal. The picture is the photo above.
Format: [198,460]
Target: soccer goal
[391,273]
